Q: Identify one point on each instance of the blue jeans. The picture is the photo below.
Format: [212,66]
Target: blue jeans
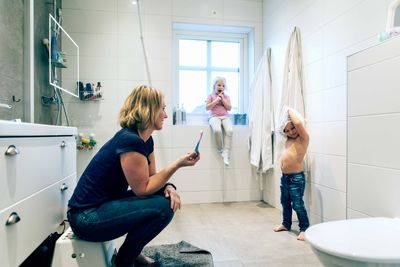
[141,218]
[292,192]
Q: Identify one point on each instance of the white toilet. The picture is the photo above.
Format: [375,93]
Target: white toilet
[357,242]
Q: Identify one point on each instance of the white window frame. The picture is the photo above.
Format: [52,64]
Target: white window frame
[244,35]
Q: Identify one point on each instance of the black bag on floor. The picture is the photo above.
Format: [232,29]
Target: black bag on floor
[43,255]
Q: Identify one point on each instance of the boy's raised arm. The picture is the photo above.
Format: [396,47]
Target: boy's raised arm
[298,124]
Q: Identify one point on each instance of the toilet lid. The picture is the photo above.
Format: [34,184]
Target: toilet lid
[369,239]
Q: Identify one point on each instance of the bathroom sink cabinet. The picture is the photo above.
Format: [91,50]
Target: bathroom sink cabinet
[37,178]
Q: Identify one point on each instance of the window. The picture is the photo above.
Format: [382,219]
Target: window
[201,54]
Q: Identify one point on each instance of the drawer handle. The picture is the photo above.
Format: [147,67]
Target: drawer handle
[11,151]
[13,218]
[63,187]
[63,144]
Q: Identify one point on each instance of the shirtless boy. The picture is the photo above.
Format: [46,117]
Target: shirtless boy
[293,179]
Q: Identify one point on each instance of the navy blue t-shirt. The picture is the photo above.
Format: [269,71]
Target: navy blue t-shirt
[103,179]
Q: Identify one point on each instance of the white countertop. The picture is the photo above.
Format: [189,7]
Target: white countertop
[10,129]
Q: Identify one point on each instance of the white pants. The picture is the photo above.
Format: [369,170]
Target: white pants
[223,131]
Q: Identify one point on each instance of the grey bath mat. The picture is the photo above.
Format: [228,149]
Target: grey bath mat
[181,254]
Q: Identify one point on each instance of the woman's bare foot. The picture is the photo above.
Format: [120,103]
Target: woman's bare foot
[280,228]
[301,236]
[144,260]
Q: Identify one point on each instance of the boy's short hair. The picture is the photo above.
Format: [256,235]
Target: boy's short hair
[285,119]
[286,124]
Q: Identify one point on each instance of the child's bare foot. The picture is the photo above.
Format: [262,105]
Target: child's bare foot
[301,236]
[144,260]
[280,228]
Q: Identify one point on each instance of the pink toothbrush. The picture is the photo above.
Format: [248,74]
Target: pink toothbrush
[198,143]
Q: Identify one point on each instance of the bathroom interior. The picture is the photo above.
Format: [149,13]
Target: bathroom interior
[350,59]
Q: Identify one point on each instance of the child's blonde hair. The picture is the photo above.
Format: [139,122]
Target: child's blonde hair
[217,79]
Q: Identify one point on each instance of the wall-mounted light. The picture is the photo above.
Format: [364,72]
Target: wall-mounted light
[134,2]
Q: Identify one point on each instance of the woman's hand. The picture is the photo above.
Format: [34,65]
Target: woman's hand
[189,159]
[171,193]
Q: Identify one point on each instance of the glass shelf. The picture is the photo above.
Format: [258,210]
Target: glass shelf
[58,64]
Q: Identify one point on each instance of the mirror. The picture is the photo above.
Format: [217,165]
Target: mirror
[63,59]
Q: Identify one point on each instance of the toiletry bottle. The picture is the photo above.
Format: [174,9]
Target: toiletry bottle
[178,116]
[88,91]
[92,141]
[54,47]
[183,115]
[98,90]
[81,90]
[174,116]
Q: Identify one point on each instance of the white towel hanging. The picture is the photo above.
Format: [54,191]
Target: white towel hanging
[261,119]
[292,94]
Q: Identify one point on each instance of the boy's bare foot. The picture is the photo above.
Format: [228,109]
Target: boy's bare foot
[301,236]
[144,260]
[280,228]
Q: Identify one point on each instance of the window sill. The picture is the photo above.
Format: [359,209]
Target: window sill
[199,119]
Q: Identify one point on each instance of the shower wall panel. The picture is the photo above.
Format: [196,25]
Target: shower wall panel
[373,166]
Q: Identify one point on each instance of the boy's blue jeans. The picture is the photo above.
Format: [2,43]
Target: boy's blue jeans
[141,218]
[292,192]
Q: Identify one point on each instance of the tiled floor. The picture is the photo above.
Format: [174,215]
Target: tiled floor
[238,234]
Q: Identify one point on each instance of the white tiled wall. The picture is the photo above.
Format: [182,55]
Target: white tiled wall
[373,190]
[373,118]
[365,82]
[107,32]
[331,30]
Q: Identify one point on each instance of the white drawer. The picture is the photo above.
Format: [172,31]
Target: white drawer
[41,162]
[39,216]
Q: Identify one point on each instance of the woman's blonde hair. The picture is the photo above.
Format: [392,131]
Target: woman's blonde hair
[141,107]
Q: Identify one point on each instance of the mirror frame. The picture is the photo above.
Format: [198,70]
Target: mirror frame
[53,20]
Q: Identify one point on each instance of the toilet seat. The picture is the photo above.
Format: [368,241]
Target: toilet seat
[368,239]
